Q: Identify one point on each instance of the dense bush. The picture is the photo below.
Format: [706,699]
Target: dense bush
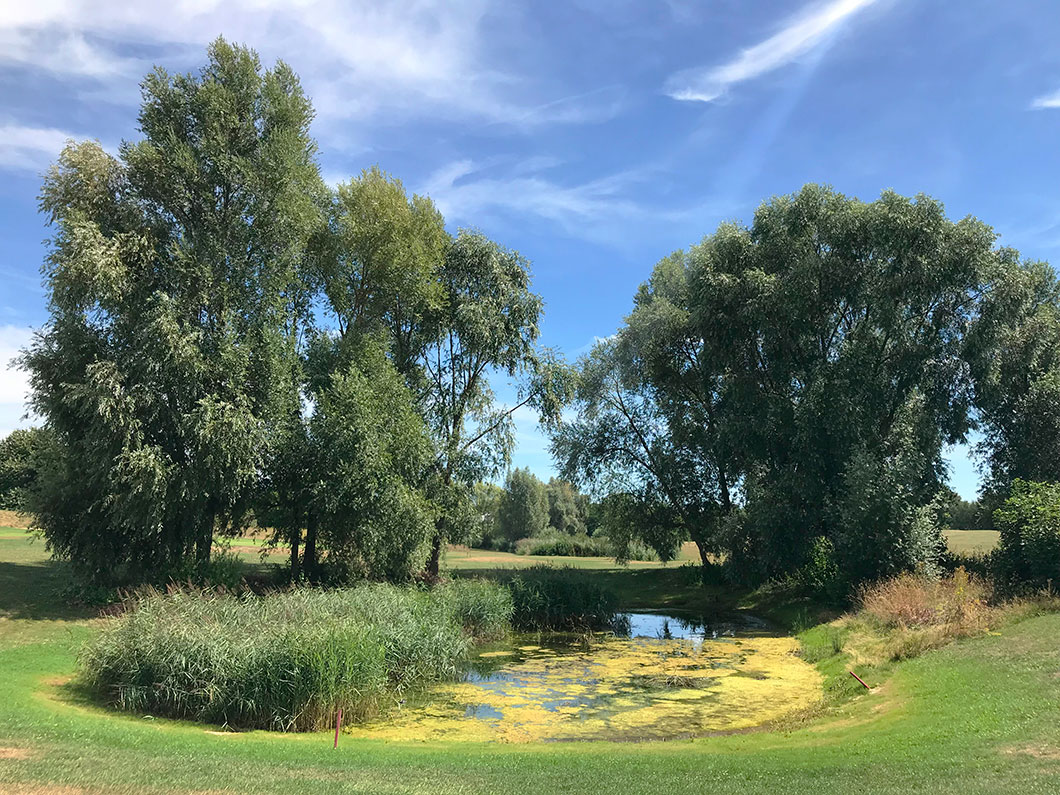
[560,599]
[286,661]
[1028,555]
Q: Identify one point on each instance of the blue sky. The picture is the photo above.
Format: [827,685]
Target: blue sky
[594,137]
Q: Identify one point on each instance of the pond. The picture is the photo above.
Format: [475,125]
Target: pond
[668,677]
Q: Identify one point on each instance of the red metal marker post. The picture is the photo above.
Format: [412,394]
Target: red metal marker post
[338,724]
[859,679]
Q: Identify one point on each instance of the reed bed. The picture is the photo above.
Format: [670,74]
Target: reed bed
[547,598]
[287,661]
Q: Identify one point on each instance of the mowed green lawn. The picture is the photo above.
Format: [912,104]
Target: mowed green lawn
[971,542]
[980,716]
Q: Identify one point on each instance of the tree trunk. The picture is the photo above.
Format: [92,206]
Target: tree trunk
[204,541]
[701,545]
[435,560]
[296,537]
[309,558]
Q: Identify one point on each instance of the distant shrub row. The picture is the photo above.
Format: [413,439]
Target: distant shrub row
[579,545]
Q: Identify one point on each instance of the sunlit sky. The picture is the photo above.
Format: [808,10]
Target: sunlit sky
[593,136]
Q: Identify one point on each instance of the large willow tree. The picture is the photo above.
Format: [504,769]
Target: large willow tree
[176,297]
[786,389]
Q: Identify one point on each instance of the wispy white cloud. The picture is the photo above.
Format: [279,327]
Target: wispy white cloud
[598,210]
[64,53]
[30,148]
[356,57]
[1046,101]
[529,194]
[798,36]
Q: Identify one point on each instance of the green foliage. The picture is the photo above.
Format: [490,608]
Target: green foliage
[487,321]
[560,599]
[380,263]
[964,515]
[566,507]
[369,450]
[175,299]
[524,506]
[555,543]
[813,364]
[483,608]
[1014,352]
[486,498]
[820,574]
[1028,556]
[19,455]
[634,524]
[286,661]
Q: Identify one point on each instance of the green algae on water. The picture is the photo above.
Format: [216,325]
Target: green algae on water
[612,689]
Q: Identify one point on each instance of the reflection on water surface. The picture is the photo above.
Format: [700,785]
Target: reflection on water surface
[670,677]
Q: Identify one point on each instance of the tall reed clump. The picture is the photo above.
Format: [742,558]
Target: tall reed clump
[286,661]
[561,599]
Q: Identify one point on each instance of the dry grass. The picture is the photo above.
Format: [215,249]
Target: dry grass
[911,600]
[15,519]
[910,614]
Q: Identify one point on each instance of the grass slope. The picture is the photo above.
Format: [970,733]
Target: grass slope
[977,717]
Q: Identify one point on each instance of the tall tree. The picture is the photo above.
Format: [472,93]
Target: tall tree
[566,511]
[370,453]
[850,340]
[377,263]
[795,380]
[524,506]
[1014,351]
[380,264]
[487,323]
[175,297]
[486,499]
[649,424]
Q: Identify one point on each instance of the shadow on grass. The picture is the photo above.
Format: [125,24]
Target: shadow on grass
[34,591]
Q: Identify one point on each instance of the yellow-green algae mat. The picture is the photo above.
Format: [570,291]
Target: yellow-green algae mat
[613,689]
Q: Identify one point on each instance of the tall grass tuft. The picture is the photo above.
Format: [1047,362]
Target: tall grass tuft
[547,598]
[286,661]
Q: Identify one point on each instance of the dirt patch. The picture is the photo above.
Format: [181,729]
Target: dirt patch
[15,753]
[1041,751]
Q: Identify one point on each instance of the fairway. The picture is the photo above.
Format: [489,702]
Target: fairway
[971,542]
[939,724]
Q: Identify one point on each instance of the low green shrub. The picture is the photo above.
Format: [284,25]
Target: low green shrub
[1028,555]
[286,661]
[562,544]
[547,598]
